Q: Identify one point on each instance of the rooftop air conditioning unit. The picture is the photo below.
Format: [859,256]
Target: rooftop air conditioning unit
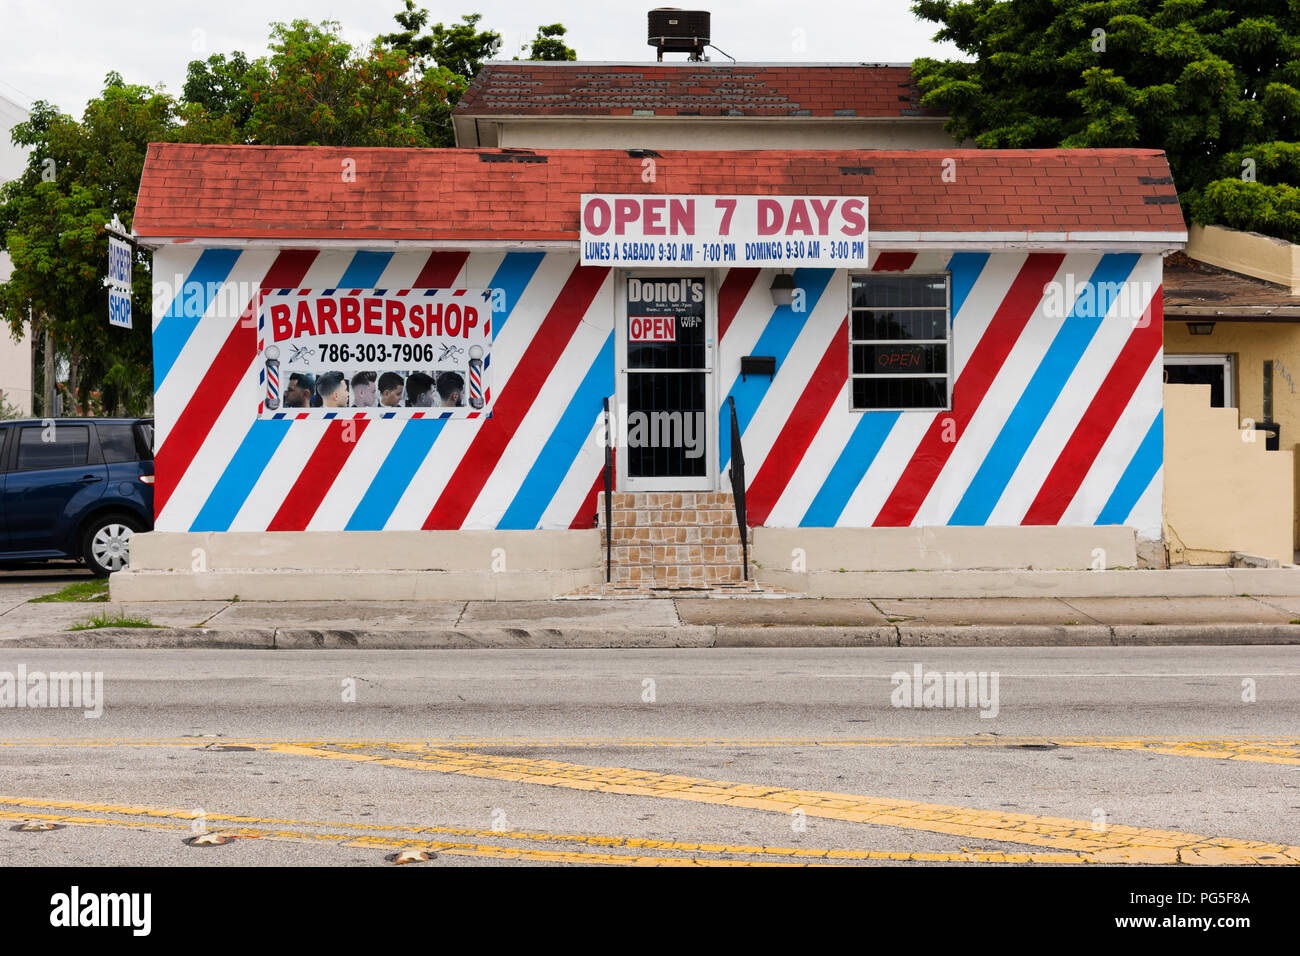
[679,31]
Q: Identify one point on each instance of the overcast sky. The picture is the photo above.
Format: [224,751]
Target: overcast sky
[60,50]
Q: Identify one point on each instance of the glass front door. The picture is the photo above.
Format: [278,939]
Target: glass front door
[666,385]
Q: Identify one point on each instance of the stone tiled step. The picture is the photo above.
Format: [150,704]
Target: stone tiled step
[649,535]
[627,500]
[677,554]
[695,575]
[669,518]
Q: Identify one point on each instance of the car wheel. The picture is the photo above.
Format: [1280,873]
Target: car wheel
[106,545]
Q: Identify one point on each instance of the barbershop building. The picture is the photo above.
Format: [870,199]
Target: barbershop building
[374,364]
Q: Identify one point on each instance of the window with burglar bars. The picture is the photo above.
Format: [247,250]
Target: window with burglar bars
[899,342]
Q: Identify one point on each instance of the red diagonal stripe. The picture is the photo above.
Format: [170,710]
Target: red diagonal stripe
[893,262]
[317,477]
[441,270]
[800,427]
[730,296]
[586,516]
[1067,474]
[219,382]
[985,362]
[516,398]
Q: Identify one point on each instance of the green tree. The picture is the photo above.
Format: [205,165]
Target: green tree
[453,54]
[460,48]
[217,100]
[1208,81]
[52,217]
[317,90]
[549,44]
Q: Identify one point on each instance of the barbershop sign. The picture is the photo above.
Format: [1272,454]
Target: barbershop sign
[757,231]
[374,353]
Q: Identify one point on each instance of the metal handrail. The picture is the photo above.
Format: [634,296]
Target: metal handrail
[737,472]
[608,475]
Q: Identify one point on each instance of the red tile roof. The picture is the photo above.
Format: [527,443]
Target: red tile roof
[690,89]
[302,192]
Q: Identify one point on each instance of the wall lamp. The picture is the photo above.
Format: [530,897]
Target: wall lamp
[1200,328]
[782,289]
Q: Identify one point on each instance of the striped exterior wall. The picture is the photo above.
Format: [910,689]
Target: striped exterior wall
[1055,420]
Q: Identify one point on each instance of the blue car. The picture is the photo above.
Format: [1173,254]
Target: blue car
[75,488]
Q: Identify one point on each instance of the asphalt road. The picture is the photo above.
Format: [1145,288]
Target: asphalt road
[716,755]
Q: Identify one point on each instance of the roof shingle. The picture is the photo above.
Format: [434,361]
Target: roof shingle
[692,89]
[301,192]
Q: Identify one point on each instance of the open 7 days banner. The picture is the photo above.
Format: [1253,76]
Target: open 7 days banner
[390,353]
[828,232]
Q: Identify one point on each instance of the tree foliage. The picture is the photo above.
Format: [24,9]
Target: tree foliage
[317,90]
[79,175]
[1208,81]
[549,44]
[312,88]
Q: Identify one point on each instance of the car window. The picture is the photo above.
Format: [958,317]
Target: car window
[145,432]
[52,446]
[118,443]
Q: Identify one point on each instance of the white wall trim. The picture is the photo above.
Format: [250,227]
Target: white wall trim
[906,241]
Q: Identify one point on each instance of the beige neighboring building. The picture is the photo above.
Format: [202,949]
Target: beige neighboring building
[1232,329]
[15,357]
[696,105]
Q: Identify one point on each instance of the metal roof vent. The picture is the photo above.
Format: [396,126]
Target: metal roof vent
[679,31]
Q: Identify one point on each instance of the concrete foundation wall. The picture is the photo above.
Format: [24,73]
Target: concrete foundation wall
[944,548]
[359,565]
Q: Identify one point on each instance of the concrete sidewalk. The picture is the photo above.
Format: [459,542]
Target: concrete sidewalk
[683,622]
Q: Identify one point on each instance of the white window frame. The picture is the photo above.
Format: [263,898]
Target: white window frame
[1226,359]
[711,478]
[948,351]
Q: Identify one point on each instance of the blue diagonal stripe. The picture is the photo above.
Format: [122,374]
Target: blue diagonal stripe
[965,268]
[511,277]
[560,450]
[849,469]
[186,309]
[778,338]
[1137,476]
[418,435]
[411,448]
[240,475]
[1043,390]
[264,437]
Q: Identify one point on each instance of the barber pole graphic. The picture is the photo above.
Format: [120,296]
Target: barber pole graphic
[475,377]
[1055,418]
[272,354]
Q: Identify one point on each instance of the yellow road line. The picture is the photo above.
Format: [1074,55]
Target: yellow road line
[452,849]
[964,856]
[1289,747]
[1111,844]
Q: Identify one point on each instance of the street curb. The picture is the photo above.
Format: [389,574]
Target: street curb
[1004,635]
[785,635]
[524,637]
[1158,634]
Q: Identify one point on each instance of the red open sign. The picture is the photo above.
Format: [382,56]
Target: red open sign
[652,328]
